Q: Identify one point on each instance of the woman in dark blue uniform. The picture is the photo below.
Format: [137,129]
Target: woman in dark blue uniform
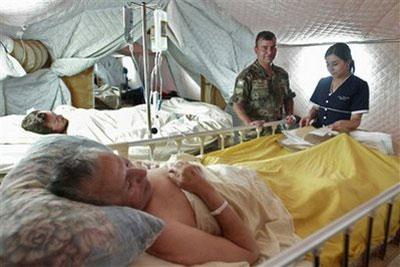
[340,100]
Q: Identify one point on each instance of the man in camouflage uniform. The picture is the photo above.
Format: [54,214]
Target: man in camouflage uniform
[262,90]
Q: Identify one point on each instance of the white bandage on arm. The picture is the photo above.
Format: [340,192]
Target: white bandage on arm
[219,209]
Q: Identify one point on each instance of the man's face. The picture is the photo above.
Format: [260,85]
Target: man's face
[53,121]
[266,51]
[117,181]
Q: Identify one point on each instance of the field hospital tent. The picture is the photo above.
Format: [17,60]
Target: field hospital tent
[213,38]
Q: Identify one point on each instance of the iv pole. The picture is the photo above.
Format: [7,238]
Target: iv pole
[143,7]
[145,69]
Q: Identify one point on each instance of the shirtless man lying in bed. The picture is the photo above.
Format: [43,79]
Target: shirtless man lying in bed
[103,178]
[104,126]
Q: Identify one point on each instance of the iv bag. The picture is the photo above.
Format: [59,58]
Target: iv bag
[159,42]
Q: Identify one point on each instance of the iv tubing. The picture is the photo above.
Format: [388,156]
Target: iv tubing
[156,80]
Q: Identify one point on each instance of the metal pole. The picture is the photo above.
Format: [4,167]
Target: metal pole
[369,238]
[346,246]
[387,227]
[317,259]
[145,68]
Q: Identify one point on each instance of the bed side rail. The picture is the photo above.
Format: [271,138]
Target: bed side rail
[222,134]
[314,242]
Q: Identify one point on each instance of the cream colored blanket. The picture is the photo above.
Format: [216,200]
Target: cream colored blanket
[256,204]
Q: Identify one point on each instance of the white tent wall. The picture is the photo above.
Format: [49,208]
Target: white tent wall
[207,41]
[187,83]
[54,92]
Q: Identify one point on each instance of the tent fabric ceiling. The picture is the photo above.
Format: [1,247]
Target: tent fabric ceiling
[29,12]
[76,33]
[294,21]
[89,29]
[316,21]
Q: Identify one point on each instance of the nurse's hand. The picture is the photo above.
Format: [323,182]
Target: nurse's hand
[340,126]
[306,121]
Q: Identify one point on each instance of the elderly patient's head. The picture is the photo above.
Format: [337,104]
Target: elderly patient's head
[101,178]
[44,122]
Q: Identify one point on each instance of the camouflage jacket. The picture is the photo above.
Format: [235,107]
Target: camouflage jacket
[263,97]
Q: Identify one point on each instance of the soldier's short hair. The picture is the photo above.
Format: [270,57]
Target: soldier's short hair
[265,35]
[36,123]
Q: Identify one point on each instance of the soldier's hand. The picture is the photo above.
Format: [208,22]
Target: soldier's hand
[257,123]
[291,119]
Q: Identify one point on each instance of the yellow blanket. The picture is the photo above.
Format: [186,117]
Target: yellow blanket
[320,184]
[257,149]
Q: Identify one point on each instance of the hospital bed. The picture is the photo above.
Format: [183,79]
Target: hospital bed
[176,117]
[333,182]
[342,195]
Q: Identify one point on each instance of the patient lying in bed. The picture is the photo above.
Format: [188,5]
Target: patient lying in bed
[101,125]
[176,116]
[217,213]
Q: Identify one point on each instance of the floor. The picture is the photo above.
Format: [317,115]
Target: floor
[395,262]
[392,257]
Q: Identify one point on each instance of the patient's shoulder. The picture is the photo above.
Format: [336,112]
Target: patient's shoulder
[168,201]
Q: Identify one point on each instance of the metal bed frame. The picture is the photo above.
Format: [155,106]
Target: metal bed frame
[314,242]
[222,135]
[343,225]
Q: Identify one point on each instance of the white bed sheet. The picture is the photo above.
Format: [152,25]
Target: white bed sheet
[303,138]
[177,116]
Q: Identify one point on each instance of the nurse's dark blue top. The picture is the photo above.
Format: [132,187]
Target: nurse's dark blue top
[351,97]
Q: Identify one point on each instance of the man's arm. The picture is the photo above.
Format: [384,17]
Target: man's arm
[186,245]
[239,98]
[288,106]
[241,113]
